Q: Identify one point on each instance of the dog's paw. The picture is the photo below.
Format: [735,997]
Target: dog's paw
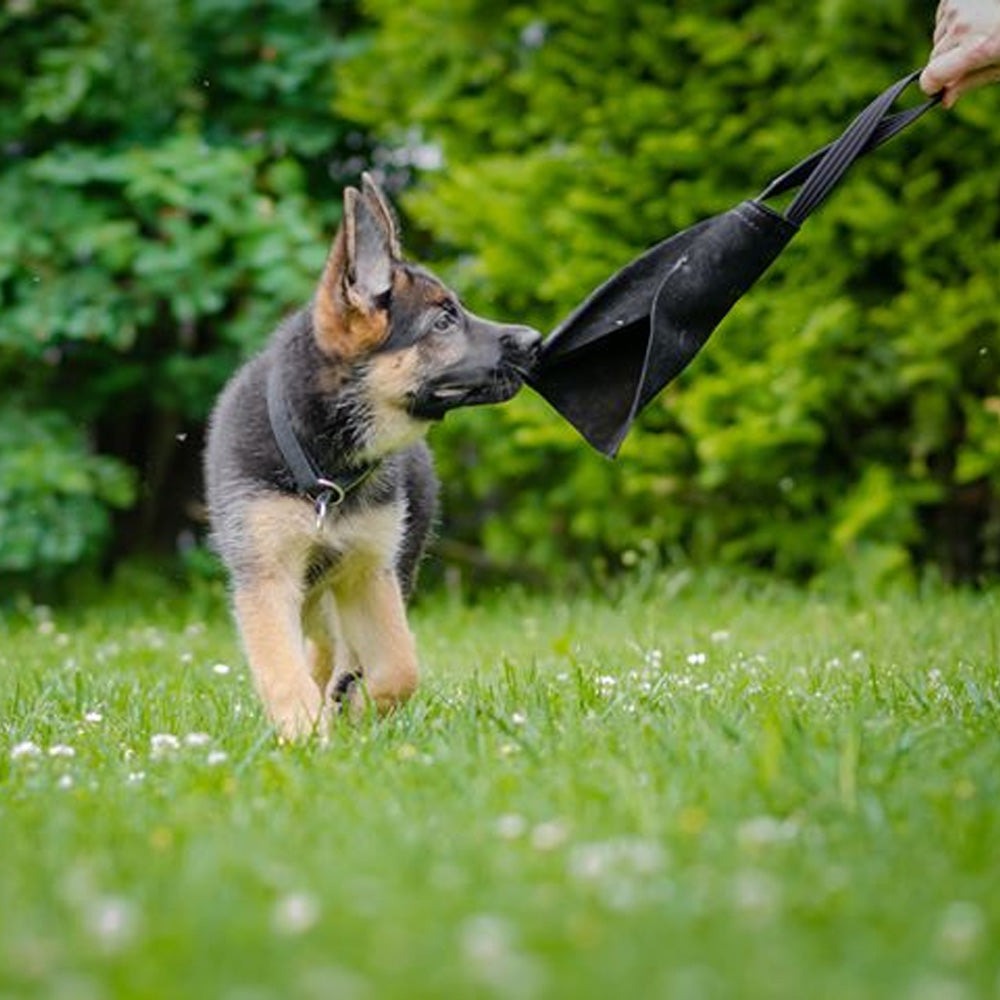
[347,694]
[343,686]
[301,717]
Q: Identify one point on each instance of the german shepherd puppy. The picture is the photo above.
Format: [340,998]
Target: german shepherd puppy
[319,576]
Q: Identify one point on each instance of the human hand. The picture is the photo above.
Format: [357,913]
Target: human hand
[966,50]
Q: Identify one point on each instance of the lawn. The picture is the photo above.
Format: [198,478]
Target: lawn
[693,787]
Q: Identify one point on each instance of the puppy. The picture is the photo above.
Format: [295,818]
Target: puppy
[321,490]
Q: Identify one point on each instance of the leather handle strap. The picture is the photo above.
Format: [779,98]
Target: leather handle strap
[819,173]
[885,130]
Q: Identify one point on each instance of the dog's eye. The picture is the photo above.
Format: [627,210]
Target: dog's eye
[445,320]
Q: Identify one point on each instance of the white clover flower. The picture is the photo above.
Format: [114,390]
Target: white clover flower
[25,749]
[549,835]
[763,831]
[163,743]
[295,913]
[65,782]
[486,939]
[487,944]
[756,893]
[616,859]
[197,740]
[697,659]
[93,717]
[216,757]
[511,826]
[932,986]
[113,922]
[606,684]
[61,750]
[961,931]
[221,669]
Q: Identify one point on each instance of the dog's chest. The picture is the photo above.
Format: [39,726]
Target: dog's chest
[354,544]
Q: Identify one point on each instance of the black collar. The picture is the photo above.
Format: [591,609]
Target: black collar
[324,489]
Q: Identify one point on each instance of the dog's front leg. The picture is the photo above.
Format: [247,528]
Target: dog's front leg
[373,620]
[269,613]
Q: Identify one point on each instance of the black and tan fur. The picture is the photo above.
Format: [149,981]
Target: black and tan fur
[382,351]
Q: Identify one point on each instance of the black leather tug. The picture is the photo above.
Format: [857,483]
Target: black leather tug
[640,329]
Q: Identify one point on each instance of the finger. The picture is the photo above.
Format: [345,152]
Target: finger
[945,19]
[932,79]
[946,44]
[989,75]
[949,67]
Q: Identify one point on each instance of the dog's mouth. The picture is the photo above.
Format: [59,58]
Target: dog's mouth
[434,400]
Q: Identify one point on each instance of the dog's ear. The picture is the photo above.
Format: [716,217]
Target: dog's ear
[350,314]
[381,204]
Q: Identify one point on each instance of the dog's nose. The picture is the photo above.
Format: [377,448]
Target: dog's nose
[524,340]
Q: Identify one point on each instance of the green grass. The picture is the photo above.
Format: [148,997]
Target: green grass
[694,788]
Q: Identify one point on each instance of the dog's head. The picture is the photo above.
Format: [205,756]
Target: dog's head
[419,351]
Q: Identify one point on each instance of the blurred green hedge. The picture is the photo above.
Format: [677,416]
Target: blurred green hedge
[848,411]
[170,180]
[166,197]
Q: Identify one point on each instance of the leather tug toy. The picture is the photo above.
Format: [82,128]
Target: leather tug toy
[640,329]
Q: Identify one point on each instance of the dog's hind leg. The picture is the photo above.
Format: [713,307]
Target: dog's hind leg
[320,657]
[320,626]
[332,663]
[373,622]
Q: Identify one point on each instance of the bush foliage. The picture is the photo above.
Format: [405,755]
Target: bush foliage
[165,198]
[848,409]
[170,181]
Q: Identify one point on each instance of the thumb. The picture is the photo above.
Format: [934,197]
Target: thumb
[929,82]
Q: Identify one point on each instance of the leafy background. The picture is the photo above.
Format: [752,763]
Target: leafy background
[170,180]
